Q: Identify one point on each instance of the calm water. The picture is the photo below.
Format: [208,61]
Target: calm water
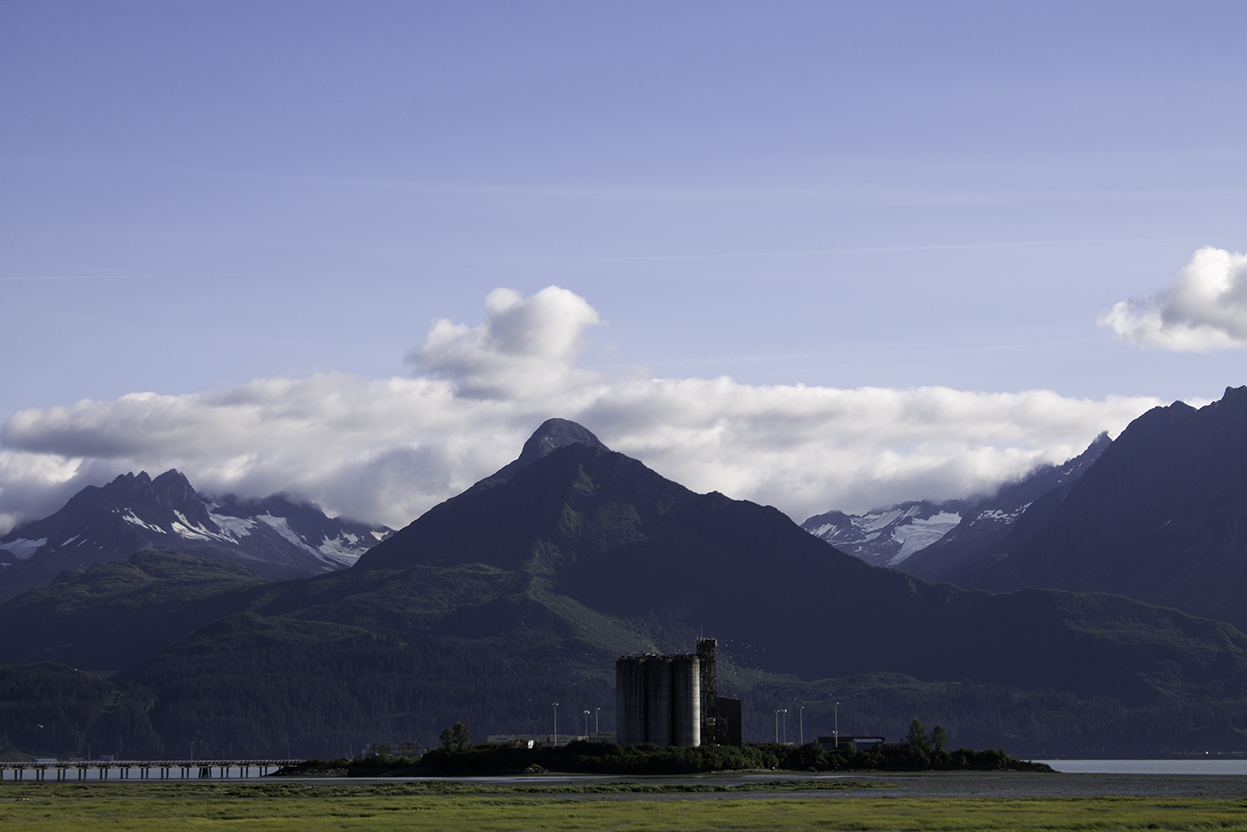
[1226,767]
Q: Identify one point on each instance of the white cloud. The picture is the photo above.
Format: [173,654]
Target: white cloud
[1205,309]
[389,449]
[30,482]
[527,348]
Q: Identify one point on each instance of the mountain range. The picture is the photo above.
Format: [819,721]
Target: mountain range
[927,538]
[522,591]
[275,537]
[1160,516]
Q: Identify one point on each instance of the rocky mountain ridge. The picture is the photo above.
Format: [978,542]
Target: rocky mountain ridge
[276,537]
[1161,516]
[1015,509]
[924,537]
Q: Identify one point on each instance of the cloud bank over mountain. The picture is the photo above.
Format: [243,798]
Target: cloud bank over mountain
[1205,309]
[385,450]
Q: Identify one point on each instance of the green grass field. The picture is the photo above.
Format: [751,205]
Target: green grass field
[302,807]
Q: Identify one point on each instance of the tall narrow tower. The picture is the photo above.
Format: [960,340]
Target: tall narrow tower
[706,649]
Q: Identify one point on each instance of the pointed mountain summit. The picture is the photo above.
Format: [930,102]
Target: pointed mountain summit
[586,549]
[275,537]
[552,435]
[562,465]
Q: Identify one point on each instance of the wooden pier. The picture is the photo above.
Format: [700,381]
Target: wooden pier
[122,769]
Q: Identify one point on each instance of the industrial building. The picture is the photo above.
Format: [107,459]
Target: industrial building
[673,700]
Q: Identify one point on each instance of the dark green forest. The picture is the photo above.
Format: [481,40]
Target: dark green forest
[328,703]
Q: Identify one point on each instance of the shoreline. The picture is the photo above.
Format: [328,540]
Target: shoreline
[718,786]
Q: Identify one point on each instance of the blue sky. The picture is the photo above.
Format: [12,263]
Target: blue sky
[895,196]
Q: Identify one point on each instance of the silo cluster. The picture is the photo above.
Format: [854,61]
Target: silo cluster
[658,699]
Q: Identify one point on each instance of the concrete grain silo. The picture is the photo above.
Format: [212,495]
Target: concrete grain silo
[658,700]
[685,701]
[658,703]
[630,700]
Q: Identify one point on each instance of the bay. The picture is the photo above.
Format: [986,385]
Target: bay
[1176,767]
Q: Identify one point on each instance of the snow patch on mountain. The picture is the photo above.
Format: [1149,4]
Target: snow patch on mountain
[875,522]
[193,531]
[282,526]
[24,549]
[337,552]
[344,550]
[131,518]
[999,516]
[921,532]
[887,536]
[232,527]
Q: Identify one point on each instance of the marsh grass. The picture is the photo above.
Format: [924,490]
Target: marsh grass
[300,807]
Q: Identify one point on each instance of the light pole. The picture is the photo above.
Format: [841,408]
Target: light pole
[556,723]
[784,711]
[777,726]
[597,713]
[801,716]
[586,723]
[836,731]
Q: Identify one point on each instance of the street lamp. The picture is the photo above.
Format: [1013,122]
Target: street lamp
[586,723]
[801,716]
[556,723]
[784,711]
[836,731]
[597,713]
